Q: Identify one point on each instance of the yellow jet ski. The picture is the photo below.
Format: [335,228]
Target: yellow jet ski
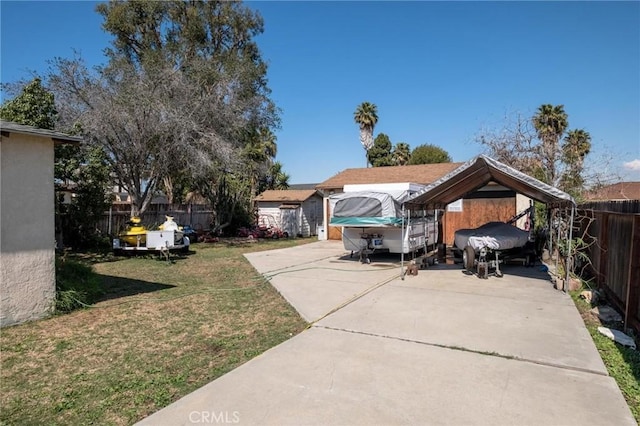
[135,234]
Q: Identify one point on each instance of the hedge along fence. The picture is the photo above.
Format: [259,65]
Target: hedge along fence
[615,253]
[199,216]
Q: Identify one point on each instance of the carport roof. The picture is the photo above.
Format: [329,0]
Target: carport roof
[478,172]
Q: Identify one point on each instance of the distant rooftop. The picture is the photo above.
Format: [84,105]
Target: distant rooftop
[616,192]
[422,173]
[288,195]
[303,186]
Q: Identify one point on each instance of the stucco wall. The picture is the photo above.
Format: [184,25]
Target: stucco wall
[27,288]
[522,203]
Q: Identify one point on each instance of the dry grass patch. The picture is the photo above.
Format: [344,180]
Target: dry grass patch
[160,331]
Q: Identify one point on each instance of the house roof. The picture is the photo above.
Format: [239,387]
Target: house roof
[302,186]
[8,127]
[478,172]
[287,195]
[615,192]
[421,173]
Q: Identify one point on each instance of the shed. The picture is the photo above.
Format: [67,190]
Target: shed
[296,211]
[27,235]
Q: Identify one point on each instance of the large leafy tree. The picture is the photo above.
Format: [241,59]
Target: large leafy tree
[429,154]
[550,122]
[379,154]
[78,169]
[184,85]
[34,106]
[401,154]
[366,116]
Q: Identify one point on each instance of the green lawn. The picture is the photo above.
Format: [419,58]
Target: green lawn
[160,331]
[623,364]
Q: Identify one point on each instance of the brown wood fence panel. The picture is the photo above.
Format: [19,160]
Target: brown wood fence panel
[625,206]
[632,313]
[197,215]
[615,255]
[620,234]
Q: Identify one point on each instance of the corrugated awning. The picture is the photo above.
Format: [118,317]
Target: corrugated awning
[478,172]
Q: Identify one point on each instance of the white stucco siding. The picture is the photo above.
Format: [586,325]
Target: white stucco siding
[522,203]
[27,257]
[32,290]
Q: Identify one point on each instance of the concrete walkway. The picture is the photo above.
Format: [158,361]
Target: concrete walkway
[439,348]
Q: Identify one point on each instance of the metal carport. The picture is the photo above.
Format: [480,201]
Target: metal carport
[478,172]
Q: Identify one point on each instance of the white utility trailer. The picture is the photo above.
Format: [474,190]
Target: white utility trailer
[162,242]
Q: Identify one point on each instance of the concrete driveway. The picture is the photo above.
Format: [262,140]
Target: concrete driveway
[439,348]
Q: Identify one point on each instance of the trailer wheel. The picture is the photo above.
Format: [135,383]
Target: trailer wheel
[468,256]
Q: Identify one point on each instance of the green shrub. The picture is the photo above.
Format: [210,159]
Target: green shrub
[76,285]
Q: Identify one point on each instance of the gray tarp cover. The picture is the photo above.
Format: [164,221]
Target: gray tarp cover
[365,204]
[493,235]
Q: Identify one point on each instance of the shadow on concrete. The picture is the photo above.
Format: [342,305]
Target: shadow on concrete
[385,259]
[117,287]
[537,271]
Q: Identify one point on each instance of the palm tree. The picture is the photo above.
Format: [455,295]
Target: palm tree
[267,140]
[258,155]
[550,122]
[576,146]
[276,178]
[261,146]
[366,116]
[401,154]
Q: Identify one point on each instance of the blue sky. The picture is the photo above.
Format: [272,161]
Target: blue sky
[439,72]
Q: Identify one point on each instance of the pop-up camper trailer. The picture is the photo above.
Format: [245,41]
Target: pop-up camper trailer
[371,217]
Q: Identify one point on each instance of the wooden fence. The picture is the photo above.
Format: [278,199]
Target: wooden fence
[197,215]
[625,206]
[614,231]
